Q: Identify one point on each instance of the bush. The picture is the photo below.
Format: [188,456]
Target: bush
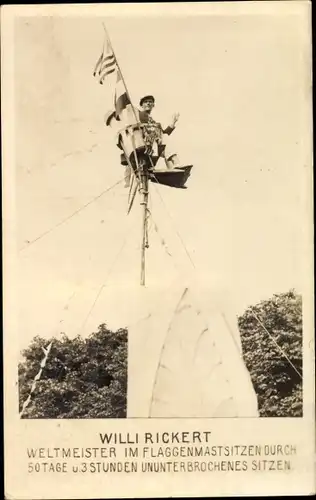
[278,385]
[83,378]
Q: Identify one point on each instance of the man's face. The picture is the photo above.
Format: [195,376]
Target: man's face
[148,105]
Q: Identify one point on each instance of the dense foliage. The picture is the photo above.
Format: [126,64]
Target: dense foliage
[83,378]
[278,385]
[87,378]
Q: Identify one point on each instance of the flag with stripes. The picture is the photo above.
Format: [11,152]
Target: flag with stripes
[106,64]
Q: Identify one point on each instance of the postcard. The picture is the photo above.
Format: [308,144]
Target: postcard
[158,250]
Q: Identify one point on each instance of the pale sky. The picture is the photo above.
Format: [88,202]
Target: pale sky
[240,85]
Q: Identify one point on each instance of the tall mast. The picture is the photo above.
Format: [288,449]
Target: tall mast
[143,175]
[144,202]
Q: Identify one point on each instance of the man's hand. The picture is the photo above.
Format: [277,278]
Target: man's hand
[175,118]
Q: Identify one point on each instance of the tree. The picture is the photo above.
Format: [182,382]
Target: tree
[277,381]
[83,378]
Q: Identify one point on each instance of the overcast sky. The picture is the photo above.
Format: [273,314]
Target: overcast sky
[240,85]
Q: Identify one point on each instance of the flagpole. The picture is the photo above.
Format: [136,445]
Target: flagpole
[143,174]
[119,68]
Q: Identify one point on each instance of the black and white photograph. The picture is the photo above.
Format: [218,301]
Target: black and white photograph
[219,203]
[161,207]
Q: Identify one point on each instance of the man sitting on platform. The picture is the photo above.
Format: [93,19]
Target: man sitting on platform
[153,134]
[153,130]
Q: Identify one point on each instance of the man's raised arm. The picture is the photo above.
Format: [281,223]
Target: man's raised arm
[168,130]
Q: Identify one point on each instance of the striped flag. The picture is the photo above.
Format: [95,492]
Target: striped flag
[106,63]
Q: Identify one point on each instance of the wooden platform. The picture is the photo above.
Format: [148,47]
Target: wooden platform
[173,178]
